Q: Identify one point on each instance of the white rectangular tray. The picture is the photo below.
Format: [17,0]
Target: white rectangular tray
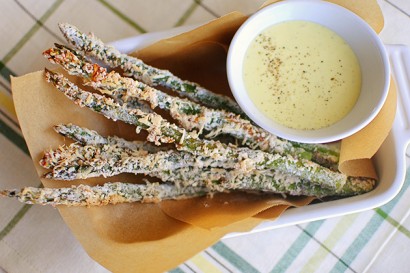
[389,160]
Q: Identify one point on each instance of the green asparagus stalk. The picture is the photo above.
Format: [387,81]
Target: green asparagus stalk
[115,193]
[65,155]
[189,114]
[161,130]
[136,68]
[358,185]
[81,162]
[90,137]
[216,179]
[109,193]
[184,170]
[77,162]
[219,179]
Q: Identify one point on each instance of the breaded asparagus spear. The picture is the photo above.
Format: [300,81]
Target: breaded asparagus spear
[189,114]
[112,193]
[81,162]
[354,185]
[187,173]
[219,179]
[136,68]
[161,131]
[77,162]
[90,137]
[109,193]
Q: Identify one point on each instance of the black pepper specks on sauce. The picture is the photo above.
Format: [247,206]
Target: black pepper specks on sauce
[298,77]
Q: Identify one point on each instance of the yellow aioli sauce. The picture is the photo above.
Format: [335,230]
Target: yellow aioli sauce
[302,75]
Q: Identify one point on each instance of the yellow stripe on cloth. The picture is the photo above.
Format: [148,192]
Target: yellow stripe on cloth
[330,242]
[203,264]
[7,103]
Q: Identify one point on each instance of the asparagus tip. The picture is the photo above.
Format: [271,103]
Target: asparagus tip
[51,53]
[65,27]
[48,175]
[61,129]
[50,75]
[8,193]
[55,55]
[72,34]
[57,128]
[65,48]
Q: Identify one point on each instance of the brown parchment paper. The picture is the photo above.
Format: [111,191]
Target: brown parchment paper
[157,237]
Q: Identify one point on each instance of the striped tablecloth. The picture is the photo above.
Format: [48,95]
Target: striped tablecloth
[35,239]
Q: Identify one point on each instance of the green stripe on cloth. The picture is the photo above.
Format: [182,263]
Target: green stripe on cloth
[122,16]
[13,136]
[208,9]
[331,240]
[32,16]
[9,227]
[6,115]
[187,13]
[224,251]
[393,222]
[4,71]
[298,245]
[8,132]
[176,270]
[213,258]
[368,231]
[358,244]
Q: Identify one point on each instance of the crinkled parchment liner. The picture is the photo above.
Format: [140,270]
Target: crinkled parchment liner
[157,237]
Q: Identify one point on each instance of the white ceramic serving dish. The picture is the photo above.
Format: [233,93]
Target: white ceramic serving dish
[390,159]
[363,40]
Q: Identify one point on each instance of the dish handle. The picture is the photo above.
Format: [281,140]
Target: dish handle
[400,64]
